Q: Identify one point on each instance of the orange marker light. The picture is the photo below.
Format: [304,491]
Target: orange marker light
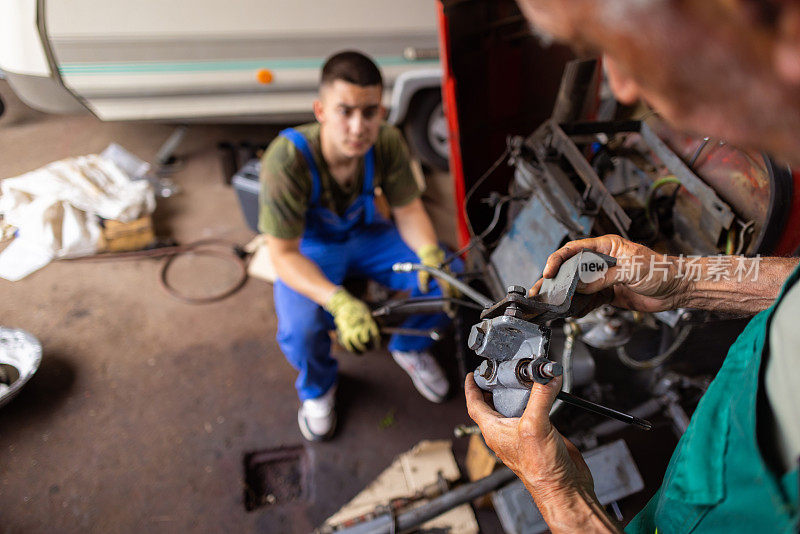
[264,76]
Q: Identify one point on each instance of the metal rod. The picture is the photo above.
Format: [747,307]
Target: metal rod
[607,428]
[603,410]
[432,333]
[420,305]
[408,267]
[406,521]
[411,306]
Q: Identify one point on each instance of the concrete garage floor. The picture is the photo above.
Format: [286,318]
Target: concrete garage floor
[144,406]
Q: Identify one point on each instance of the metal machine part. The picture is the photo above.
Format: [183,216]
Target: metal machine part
[604,411]
[513,339]
[447,277]
[557,297]
[667,390]
[511,342]
[508,344]
[758,189]
[576,362]
[568,192]
[550,143]
[20,356]
[716,216]
[613,469]
[553,213]
[581,367]
[605,328]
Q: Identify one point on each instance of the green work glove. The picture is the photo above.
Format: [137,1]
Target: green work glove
[354,323]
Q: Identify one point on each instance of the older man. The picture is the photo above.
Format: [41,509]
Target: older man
[730,69]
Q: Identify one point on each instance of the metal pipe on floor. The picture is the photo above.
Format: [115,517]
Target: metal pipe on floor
[405,521]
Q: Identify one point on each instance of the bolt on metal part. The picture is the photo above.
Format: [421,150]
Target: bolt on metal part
[523,371]
[538,370]
[491,369]
[551,369]
[517,290]
[476,337]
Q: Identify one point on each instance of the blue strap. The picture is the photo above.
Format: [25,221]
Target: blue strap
[368,193]
[369,171]
[300,141]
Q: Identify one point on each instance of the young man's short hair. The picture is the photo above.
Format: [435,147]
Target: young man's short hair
[352,67]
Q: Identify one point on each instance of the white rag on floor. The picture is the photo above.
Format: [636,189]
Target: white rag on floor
[57,209]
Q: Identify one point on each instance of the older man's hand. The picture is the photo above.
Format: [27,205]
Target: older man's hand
[551,467]
[642,280]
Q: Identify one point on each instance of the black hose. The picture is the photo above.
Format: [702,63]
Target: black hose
[219,248]
[224,254]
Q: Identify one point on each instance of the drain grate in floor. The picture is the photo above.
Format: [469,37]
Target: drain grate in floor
[275,476]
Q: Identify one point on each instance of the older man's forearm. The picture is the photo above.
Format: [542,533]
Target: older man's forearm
[568,511]
[736,285]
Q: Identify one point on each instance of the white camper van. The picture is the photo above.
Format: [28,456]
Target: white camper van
[214,61]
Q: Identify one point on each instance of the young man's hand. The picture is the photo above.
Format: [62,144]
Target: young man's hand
[551,467]
[355,326]
[642,279]
[430,256]
[433,256]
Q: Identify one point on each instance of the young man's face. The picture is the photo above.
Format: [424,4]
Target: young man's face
[350,116]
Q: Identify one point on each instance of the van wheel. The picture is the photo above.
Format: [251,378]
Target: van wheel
[426,129]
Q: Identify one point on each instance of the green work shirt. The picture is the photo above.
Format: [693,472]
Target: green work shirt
[718,479]
[286,180]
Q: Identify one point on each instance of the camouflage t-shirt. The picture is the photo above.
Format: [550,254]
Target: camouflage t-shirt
[286,181]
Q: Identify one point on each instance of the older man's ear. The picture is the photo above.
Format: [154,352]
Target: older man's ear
[623,86]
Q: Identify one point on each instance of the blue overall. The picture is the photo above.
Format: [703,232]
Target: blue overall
[359,243]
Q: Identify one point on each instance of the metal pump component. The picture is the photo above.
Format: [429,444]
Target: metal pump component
[512,334]
[513,339]
[509,345]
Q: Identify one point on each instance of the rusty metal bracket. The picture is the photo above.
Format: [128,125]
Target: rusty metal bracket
[717,214]
[551,137]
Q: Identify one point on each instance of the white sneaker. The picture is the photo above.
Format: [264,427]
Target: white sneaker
[426,374]
[317,417]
